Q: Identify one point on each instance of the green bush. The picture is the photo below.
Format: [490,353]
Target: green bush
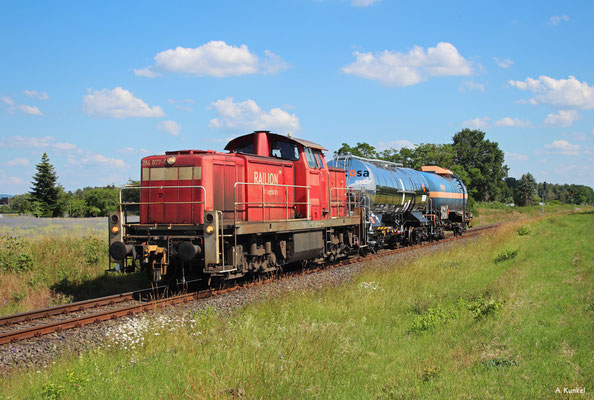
[94,250]
[429,374]
[484,308]
[431,318]
[506,255]
[499,363]
[524,230]
[52,391]
[13,257]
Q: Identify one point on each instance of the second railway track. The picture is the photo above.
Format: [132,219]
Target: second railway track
[32,324]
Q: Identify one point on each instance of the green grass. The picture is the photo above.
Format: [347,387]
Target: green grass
[43,270]
[453,324]
[490,213]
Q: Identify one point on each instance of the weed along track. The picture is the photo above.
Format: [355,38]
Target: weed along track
[57,319]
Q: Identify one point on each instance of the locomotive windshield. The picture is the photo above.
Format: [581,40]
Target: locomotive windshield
[284,150]
[246,149]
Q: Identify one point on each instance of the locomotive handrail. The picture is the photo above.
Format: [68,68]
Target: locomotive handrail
[263,203]
[348,202]
[141,203]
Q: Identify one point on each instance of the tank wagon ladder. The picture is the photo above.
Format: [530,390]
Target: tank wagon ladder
[352,196]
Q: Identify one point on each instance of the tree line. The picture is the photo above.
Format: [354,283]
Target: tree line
[479,162]
[48,198]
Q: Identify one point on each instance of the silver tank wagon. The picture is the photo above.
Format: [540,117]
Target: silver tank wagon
[390,187]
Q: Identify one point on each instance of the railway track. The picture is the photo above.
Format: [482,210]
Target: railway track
[120,305]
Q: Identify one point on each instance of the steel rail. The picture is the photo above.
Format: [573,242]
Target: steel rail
[76,306]
[37,331]
[65,308]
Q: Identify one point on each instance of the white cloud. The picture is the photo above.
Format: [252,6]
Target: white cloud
[184,108]
[580,136]
[364,3]
[190,101]
[471,85]
[215,58]
[171,127]
[133,150]
[395,144]
[557,19]
[272,63]
[36,95]
[8,100]
[477,123]
[18,162]
[560,93]
[10,180]
[146,72]
[32,110]
[563,118]
[248,115]
[46,142]
[513,122]
[400,69]
[505,63]
[563,147]
[516,156]
[74,154]
[94,158]
[118,103]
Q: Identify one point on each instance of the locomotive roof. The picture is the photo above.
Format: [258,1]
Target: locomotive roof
[233,143]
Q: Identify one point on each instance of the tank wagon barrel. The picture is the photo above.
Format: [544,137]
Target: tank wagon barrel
[406,205]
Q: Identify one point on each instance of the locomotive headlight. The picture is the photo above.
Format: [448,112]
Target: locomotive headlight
[170,160]
[209,229]
[115,229]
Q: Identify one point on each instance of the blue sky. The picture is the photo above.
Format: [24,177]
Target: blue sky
[98,85]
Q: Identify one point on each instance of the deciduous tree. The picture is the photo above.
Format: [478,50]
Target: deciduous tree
[482,160]
[527,190]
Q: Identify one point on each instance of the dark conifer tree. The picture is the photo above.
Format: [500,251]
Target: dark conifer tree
[44,191]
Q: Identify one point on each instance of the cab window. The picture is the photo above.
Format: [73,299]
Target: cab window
[247,148]
[284,150]
[319,157]
[310,157]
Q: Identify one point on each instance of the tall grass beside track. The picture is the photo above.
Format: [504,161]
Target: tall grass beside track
[508,315]
[50,261]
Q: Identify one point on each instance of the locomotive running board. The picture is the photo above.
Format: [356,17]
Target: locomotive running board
[244,228]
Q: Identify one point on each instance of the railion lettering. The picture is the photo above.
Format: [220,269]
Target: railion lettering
[268,178]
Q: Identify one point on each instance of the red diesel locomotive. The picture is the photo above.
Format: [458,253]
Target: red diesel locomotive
[270,201]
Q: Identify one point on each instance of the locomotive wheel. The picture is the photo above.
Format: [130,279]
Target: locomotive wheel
[363,251]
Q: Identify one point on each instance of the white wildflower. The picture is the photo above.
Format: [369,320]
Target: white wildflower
[369,286]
